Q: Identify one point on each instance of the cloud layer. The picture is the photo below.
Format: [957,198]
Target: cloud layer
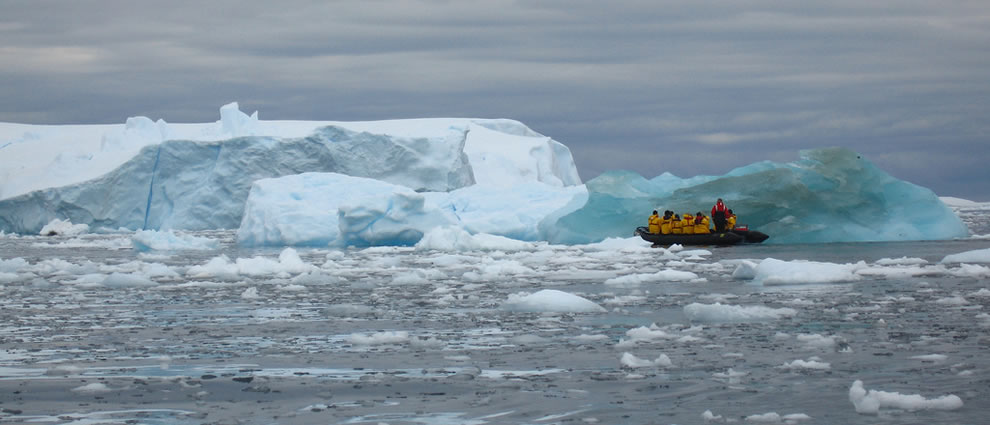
[686,87]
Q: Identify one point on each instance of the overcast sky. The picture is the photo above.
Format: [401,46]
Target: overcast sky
[693,87]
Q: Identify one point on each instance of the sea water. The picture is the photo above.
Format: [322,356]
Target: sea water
[92,331]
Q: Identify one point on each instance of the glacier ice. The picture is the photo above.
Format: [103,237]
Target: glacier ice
[828,195]
[181,184]
[481,176]
[321,209]
[502,158]
[198,176]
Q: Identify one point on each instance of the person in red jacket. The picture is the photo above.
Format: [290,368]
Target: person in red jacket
[718,216]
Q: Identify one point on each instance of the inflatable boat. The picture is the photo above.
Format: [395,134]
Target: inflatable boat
[719,239]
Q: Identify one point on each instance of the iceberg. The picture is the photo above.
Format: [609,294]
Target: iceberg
[828,195]
[330,209]
[177,180]
[181,184]
[320,183]
[321,209]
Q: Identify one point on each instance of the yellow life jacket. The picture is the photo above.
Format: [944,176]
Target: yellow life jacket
[654,223]
[665,225]
[730,222]
[687,224]
[701,226]
[675,227]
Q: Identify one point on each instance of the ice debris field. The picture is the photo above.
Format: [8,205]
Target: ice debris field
[462,328]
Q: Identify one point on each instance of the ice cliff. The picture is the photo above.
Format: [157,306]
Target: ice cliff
[321,209]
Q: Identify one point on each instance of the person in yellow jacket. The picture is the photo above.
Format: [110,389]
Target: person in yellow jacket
[701,224]
[666,223]
[687,224]
[730,219]
[676,225]
[654,222]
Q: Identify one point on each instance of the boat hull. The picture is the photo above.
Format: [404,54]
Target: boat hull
[751,236]
[718,239]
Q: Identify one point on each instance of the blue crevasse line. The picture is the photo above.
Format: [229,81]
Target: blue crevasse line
[151,188]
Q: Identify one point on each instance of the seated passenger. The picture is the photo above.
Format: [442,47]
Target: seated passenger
[653,223]
[701,224]
[676,226]
[666,222]
[730,219]
[687,224]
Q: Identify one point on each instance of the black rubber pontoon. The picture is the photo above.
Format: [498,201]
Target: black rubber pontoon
[719,239]
[750,236]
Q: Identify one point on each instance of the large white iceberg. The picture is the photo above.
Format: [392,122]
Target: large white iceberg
[391,182]
[320,209]
[153,175]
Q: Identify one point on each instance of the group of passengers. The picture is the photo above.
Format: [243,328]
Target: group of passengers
[674,224]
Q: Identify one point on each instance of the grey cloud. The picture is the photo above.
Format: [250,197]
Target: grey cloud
[686,87]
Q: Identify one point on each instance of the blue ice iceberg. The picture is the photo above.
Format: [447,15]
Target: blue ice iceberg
[331,209]
[190,185]
[828,195]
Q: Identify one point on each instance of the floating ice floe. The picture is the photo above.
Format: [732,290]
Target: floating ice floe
[379,338]
[550,301]
[813,363]
[772,271]
[718,313]
[451,238]
[93,388]
[975,256]
[167,240]
[63,228]
[667,275]
[870,402]
[776,418]
[816,341]
[631,361]
[288,263]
